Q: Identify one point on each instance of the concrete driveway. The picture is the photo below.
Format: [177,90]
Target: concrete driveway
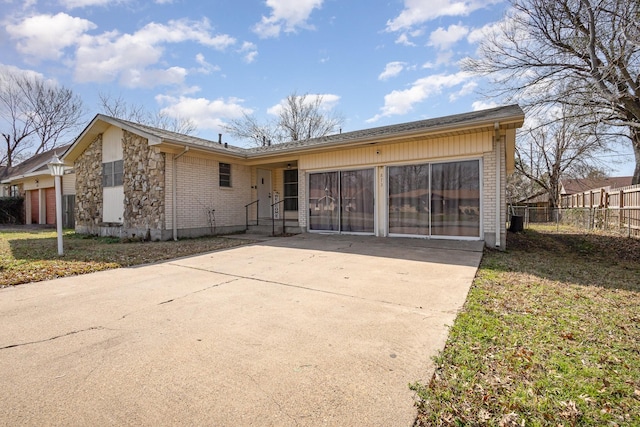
[302,331]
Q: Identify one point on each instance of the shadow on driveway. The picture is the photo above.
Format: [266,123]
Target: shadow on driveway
[303,331]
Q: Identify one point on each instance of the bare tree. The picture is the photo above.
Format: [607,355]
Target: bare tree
[249,128]
[37,114]
[302,117]
[562,146]
[299,117]
[579,52]
[119,108]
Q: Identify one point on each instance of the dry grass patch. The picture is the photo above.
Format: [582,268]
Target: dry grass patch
[549,336]
[32,255]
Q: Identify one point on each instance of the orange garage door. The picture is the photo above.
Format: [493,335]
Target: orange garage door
[50,196]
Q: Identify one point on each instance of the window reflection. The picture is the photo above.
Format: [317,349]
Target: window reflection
[441,199]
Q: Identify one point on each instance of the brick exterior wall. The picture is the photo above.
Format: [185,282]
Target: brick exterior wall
[489,196]
[198,192]
[302,199]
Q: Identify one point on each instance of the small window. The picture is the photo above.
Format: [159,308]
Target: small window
[225,175]
[112,174]
[291,190]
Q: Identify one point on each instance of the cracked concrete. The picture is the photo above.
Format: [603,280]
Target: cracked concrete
[307,330]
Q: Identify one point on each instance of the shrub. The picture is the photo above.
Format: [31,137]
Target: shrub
[11,210]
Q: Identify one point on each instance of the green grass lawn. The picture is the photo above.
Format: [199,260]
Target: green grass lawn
[549,336]
[31,255]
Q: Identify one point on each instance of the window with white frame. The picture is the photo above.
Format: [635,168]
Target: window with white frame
[112,174]
[225,175]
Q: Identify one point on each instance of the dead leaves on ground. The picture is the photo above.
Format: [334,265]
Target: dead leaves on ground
[33,258]
[563,347]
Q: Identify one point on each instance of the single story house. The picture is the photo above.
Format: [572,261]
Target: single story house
[436,178]
[32,180]
[571,186]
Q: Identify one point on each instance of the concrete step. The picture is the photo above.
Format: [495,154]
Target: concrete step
[266,228]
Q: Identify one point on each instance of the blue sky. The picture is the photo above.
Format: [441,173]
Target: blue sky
[375,62]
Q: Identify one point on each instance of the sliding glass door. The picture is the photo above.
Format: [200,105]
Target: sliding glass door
[342,201]
[455,199]
[439,199]
[409,200]
[356,201]
[324,201]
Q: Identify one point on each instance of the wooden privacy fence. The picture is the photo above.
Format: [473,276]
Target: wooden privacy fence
[606,208]
[625,197]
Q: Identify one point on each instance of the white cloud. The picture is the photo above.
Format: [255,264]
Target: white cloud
[328,102]
[287,16]
[177,31]
[127,57]
[404,40]
[417,12]
[392,69]
[481,105]
[155,77]
[466,89]
[46,36]
[250,52]
[400,102]
[205,113]
[444,57]
[445,38]
[15,71]
[510,24]
[205,67]
[404,37]
[72,4]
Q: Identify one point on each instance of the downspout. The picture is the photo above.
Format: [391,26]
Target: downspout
[174,191]
[496,127]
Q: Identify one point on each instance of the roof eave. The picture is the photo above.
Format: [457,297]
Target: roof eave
[97,126]
[509,122]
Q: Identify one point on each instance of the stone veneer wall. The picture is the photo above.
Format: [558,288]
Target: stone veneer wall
[88,169]
[144,187]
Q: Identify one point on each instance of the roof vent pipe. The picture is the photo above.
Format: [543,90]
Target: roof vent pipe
[219,138]
[225,145]
[264,140]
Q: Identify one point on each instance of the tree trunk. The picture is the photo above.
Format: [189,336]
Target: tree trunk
[635,140]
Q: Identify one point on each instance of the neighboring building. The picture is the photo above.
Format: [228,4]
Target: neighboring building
[436,178]
[538,200]
[580,185]
[32,180]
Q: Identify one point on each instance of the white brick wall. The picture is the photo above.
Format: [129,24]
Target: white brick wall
[198,191]
[489,192]
[302,199]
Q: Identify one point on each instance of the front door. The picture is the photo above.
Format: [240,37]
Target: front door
[264,193]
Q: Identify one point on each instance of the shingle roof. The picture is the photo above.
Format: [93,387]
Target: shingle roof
[34,163]
[170,136]
[579,185]
[441,124]
[482,116]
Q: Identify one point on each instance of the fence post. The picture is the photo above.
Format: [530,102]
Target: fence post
[628,222]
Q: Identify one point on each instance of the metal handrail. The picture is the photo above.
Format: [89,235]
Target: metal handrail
[273,218]
[246,213]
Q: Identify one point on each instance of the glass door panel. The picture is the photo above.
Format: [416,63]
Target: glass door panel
[324,201]
[455,199]
[357,201]
[409,199]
